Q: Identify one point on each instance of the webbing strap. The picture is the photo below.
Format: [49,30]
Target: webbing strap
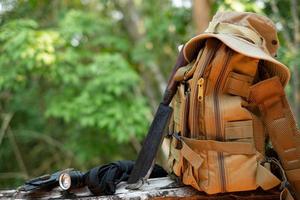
[267,95]
[175,152]
[293,175]
[191,156]
[191,148]
[238,84]
[258,134]
[175,155]
[228,147]
[232,29]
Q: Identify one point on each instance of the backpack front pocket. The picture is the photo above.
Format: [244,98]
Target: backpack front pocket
[203,171]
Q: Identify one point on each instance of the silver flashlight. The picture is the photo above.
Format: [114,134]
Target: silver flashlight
[70,180]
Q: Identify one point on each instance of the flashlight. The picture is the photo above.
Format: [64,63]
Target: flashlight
[70,180]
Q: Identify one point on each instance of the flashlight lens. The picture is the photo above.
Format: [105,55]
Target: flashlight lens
[65,181]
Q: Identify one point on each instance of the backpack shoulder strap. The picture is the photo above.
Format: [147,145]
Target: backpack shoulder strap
[270,97]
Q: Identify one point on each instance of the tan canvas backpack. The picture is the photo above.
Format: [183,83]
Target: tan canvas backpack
[229,101]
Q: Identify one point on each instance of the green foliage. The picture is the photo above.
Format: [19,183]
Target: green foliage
[69,86]
[25,52]
[101,95]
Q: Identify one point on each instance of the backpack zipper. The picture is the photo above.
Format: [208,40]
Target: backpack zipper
[185,130]
[201,103]
[199,83]
[219,135]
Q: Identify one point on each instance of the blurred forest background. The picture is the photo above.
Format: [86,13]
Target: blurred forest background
[81,79]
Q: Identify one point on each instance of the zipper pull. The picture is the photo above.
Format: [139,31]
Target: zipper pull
[200,84]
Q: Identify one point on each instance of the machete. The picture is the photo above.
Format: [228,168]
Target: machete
[146,158]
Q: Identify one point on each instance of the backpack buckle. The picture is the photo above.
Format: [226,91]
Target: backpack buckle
[178,140]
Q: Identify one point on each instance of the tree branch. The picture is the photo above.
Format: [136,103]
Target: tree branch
[5,124]
[135,27]
[136,144]
[294,12]
[51,141]
[162,82]
[8,175]
[17,152]
[276,13]
[201,14]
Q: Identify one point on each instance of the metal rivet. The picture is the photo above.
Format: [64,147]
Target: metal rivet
[274,42]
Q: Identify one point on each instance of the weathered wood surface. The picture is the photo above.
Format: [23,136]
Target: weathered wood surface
[159,188]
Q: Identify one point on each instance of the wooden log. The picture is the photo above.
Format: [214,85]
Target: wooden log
[157,189]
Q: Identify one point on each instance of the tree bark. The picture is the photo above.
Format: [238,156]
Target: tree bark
[17,152]
[151,74]
[201,14]
[5,124]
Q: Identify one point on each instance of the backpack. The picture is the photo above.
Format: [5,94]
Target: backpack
[230,100]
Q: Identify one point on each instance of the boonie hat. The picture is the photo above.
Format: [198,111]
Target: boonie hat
[247,33]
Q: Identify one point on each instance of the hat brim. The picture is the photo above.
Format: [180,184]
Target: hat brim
[275,68]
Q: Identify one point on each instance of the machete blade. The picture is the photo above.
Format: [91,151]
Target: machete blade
[151,144]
